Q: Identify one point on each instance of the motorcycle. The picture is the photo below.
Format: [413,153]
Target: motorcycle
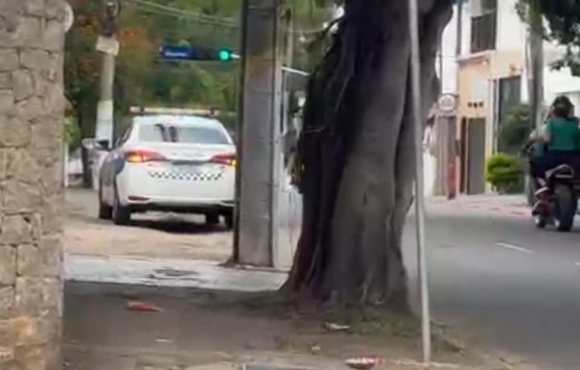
[557,199]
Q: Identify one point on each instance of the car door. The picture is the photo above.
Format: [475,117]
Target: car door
[105,178]
[113,165]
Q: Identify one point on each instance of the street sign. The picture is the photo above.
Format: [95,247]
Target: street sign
[108,45]
[176,53]
[447,104]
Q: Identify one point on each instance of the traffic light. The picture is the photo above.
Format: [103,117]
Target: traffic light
[177,53]
[225,55]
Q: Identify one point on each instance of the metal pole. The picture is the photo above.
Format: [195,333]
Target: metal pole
[419,185]
[537,59]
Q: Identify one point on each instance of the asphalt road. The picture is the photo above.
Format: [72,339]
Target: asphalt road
[507,285]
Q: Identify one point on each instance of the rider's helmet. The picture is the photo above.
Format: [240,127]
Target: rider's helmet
[562,107]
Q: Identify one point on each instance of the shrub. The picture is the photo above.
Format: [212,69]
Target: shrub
[515,131]
[505,173]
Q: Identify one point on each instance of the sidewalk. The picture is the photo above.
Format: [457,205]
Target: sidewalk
[215,330]
[216,318]
[173,273]
[493,204]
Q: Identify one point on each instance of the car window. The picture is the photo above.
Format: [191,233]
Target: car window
[157,133]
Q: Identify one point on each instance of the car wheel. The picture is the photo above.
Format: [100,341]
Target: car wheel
[212,219]
[121,214]
[105,210]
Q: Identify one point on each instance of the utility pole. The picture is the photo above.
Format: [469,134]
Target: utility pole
[109,46]
[260,152]
[536,77]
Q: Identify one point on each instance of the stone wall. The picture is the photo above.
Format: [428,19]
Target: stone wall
[31,190]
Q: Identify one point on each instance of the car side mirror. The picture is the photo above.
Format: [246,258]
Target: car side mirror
[96,145]
[104,145]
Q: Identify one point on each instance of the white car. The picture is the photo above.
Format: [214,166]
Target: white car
[172,163]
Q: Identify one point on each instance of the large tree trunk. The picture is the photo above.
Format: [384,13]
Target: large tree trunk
[357,154]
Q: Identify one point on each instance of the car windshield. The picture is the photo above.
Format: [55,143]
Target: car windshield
[161,132]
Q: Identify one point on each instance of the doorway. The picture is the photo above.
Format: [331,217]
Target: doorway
[475,156]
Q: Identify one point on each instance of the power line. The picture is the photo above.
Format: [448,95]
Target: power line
[181,16]
[159,9]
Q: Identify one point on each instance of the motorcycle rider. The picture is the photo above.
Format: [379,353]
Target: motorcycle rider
[561,135]
[558,143]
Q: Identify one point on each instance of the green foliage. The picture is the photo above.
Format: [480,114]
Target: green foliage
[516,130]
[72,134]
[141,78]
[563,20]
[504,172]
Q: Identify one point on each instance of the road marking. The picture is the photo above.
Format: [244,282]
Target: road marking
[578,264]
[515,248]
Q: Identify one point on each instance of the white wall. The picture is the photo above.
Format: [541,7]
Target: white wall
[449,40]
[511,36]
[562,83]
[511,31]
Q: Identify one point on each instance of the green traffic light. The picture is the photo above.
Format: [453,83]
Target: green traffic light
[225,55]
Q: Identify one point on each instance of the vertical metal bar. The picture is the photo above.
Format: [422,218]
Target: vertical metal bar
[419,184]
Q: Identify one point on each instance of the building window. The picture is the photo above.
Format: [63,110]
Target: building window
[483,25]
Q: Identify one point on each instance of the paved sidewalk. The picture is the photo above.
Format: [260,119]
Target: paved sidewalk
[493,204]
[209,330]
[155,272]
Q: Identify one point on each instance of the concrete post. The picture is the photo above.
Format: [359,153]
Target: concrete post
[31,183]
[260,112]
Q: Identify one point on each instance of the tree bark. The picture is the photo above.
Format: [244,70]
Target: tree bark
[357,154]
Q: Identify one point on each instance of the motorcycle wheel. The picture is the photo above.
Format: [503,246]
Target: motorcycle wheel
[565,209]
[540,221]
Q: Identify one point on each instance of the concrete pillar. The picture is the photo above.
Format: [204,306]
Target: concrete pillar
[260,134]
[31,183]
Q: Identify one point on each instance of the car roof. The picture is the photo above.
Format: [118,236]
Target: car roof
[179,120]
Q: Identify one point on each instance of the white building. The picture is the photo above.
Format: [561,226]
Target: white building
[490,79]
